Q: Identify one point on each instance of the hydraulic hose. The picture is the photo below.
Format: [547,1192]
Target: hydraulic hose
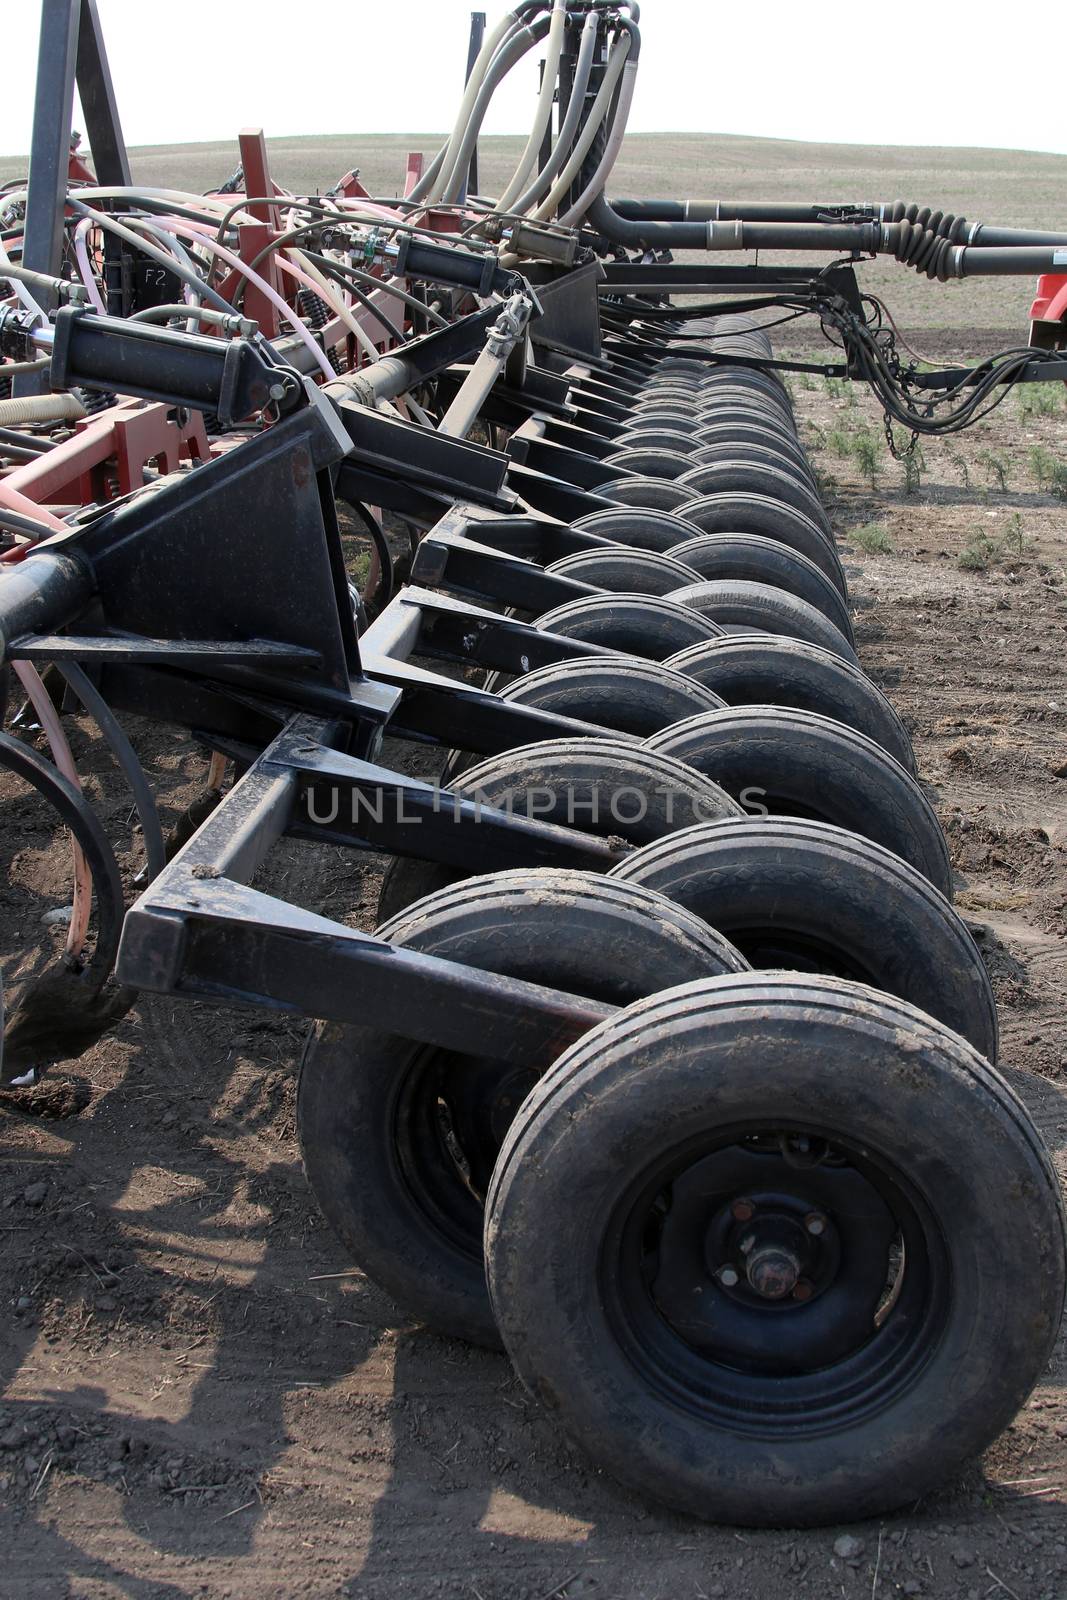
[596,185]
[620,50]
[575,106]
[743,210]
[164,257]
[510,53]
[528,160]
[446,156]
[956,229]
[81,254]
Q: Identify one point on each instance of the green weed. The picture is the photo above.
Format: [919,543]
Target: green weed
[872,538]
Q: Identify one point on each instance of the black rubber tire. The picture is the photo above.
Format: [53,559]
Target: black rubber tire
[715,403]
[761,454]
[768,669]
[626,571]
[734,411]
[808,897]
[626,694]
[675,437]
[643,529]
[905,1099]
[717,379]
[750,477]
[582,781]
[749,432]
[623,694]
[641,625]
[654,494]
[799,536]
[757,513]
[739,603]
[371,1141]
[798,764]
[661,413]
[753,558]
[649,462]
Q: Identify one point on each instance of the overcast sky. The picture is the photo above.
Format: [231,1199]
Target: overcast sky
[914,72]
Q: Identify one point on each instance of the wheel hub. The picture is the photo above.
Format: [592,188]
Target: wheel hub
[761,1261]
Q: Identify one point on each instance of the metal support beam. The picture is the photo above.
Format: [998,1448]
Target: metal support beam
[99,106]
[470,182]
[50,147]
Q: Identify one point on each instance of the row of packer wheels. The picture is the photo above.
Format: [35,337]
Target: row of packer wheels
[775,1242]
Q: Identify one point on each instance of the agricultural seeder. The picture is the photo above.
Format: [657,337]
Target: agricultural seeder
[670,1066]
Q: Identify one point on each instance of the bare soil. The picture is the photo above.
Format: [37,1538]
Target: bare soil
[201,1396]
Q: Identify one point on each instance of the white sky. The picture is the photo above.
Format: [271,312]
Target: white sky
[913,72]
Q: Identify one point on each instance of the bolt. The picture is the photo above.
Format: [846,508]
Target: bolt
[773,1271]
[742,1210]
[803,1290]
[815,1223]
[727,1276]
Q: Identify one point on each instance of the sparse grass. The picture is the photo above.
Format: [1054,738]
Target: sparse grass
[912,465]
[984,552]
[871,538]
[996,466]
[867,449]
[839,441]
[1040,399]
[960,463]
[1014,541]
[1051,474]
[979,554]
[840,389]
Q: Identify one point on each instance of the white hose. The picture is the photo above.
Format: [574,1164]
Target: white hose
[22,289]
[601,105]
[515,47]
[331,294]
[490,44]
[81,253]
[40,408]
[597,182]
[528,160]
[582,68]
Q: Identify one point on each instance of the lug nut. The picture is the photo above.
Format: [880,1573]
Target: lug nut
[742,1210]
[803,1290]
[815,1223]
[773,1271]
[727,1276]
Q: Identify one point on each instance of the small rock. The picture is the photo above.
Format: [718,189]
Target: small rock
[848,1547]
[61,915]
[12,1438]
[34,1195]
[23,1303]
[962,1556]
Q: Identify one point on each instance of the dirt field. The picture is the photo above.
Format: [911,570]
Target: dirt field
[201,1397]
